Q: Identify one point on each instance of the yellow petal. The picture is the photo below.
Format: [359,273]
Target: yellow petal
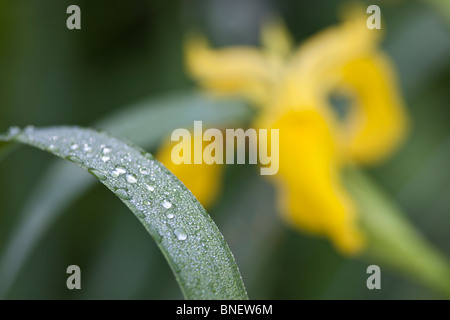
[346,57]
[377,121]
[235,70]
[275,38]
[310,192]
[203,180]
[311,71]
[334,46]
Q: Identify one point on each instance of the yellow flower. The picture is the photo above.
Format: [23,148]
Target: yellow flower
[292,90]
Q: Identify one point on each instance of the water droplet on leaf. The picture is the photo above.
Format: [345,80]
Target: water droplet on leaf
[166,204]
[140,214]
[106,150]
[181,234]
[74,159]
[87,148]
[97,173]
[131,178]
[118,171]
[29,129]
[53,148]
[123,194]
[170,215]
[155,234]
[13,131]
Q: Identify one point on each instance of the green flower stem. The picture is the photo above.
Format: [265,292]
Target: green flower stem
[393,240]
[441,6]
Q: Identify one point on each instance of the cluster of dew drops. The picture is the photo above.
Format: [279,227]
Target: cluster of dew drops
[105,156]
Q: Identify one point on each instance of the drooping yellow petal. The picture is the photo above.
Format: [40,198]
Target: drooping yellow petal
[235,70]
[203,180]
[276,39]
[346,57]
[310,191]
[377,121]
[311,71]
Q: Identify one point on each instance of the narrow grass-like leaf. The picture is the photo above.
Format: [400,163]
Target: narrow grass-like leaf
[145,124]
[393,240]
[148,122]
[192,244]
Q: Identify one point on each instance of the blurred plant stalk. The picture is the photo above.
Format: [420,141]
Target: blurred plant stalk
[441,6]
[393,240]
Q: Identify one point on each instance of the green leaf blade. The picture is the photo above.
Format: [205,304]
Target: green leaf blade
[188,238]
[144,123]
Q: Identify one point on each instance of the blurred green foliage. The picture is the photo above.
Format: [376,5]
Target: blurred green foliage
[128,52]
